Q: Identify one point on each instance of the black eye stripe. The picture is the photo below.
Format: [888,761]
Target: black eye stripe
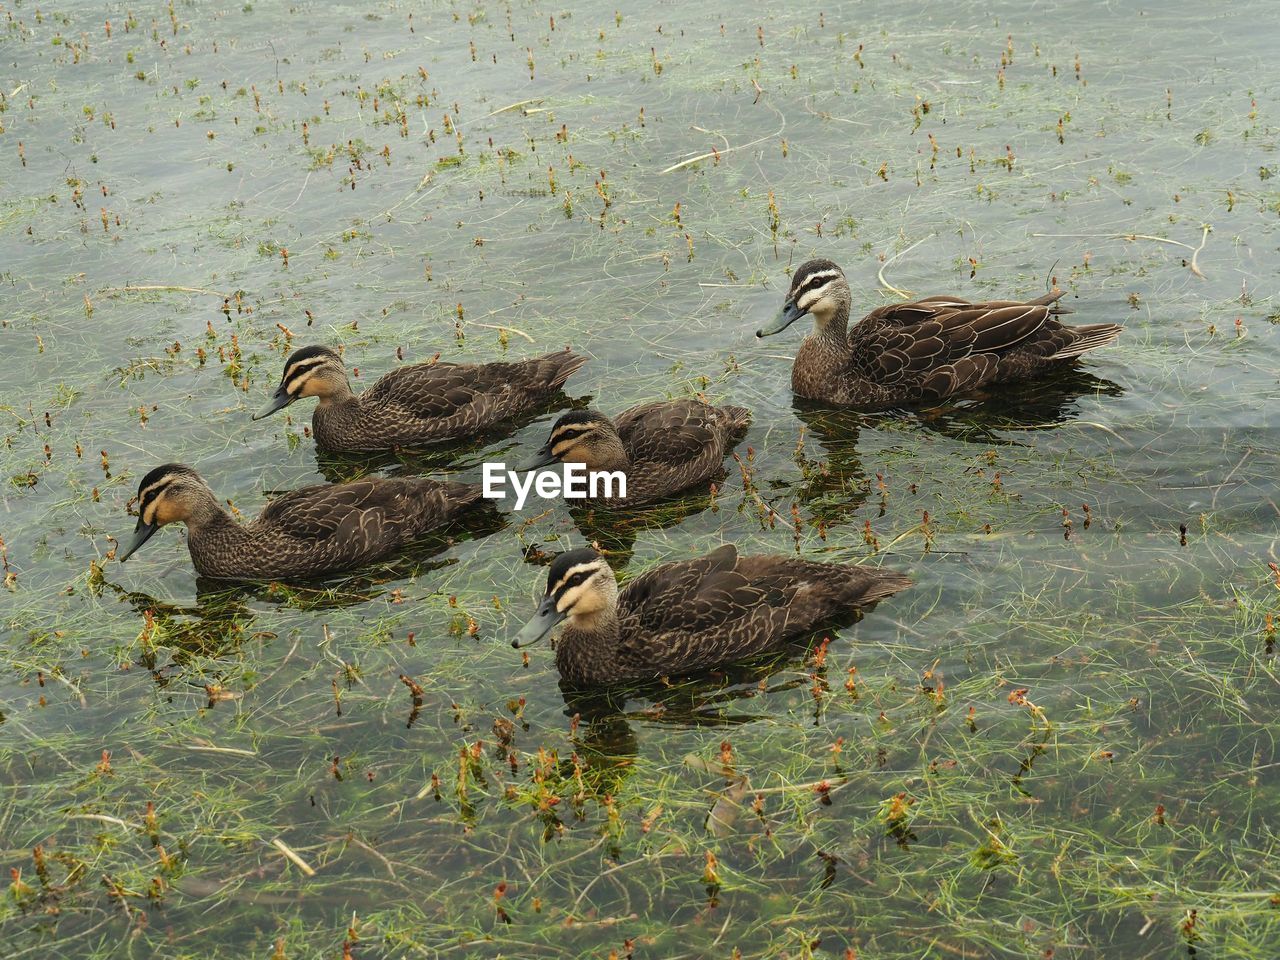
[814,281]
[571,578]
[150,496]
[293,377]
[304,366]
[575,580]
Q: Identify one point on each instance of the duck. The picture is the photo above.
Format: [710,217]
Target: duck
[308,532]
[923,351]
[663,447]
[416,404]
[691,616]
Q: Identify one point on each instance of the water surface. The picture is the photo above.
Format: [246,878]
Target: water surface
[489,180]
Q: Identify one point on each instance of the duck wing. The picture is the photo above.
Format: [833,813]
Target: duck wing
[439,390]
[319,513]
[666,597]
[344,525]
[706,613]
[457,397]
[943,345]
[669,431]
[711,592]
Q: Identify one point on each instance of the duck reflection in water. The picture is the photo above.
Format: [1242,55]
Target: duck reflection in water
[834,482]
[616,531]
[606,725]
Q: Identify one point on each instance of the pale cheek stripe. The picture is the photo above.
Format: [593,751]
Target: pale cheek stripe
[154,488]
[809,299]
[570,599]
[295,386]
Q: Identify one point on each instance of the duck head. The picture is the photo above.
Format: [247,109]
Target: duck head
[309,372]
[168,494]
[580,587]
[585,437]
[818,288]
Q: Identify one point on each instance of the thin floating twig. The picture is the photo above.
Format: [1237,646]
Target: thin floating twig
[210,748]
[370,850]
[1195,268]
[103,818]
[773,514]
[720,153]
[293,857]
[160,288]
[712,133]
[1114,236]
[1104,428]
[495,326]
[918,528]
[825,115]
[510,106]
[904,294]
[57,675]
[1193,264]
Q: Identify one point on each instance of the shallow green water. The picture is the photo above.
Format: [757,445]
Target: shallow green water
[150,181]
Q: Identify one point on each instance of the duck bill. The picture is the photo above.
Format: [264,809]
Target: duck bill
[789,315]
[543,458]
[279,400]
[543,622]
[141,534]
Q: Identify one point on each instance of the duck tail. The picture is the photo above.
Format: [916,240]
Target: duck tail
[554,369]
[868,586]
[1051,299]
[863,585]
[1088,338]
[458,497]
[440,502]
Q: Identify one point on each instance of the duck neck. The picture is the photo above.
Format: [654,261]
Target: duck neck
[833,328]
[338,394]
[212,532]
[337,418]
[207,514]
[610,455]
[587,647]
[220,546]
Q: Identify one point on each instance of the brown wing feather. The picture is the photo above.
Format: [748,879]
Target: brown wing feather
[365,509]
[436,390]
[448,398]
[704,613]
[935,343]
[316,513]
[668,430]
[656,595]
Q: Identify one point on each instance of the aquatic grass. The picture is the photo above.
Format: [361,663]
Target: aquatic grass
[1142,791]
